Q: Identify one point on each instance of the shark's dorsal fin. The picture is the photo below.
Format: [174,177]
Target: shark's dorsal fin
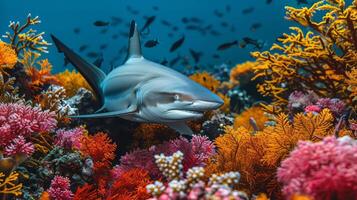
[134,48]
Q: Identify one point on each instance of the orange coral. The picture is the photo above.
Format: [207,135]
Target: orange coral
[8,57]
[9,184]
[100,148]
[132,183]
[244,119]
[242,70]
[146,135]
[72,81]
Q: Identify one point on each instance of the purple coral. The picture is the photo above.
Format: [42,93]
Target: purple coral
[299,100]
[60,189]
[69,138]
[196,153]
[322,170]
[335,105]
[19,146]
[17,119]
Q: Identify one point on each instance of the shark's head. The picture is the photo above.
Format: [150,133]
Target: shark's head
[173,99]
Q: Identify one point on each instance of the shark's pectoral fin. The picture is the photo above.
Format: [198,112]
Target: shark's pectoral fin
[180,127]
[117,113]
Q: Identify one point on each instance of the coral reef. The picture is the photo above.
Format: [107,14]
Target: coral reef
[72,81]
[311,60]
[8,57]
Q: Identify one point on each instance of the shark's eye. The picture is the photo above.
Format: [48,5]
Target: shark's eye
[177,97]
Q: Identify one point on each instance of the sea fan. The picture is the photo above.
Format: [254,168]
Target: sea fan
[322,170]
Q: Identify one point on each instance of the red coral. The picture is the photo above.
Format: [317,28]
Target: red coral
[197,151]
[131,183]
[19,146]
[322,170]
[87,192]
[101,149]
[59,189]
[21,120]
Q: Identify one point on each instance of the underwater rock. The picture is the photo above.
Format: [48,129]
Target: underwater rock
[216,124]
[83,101]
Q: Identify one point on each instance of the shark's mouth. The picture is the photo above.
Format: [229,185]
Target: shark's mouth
[185,112]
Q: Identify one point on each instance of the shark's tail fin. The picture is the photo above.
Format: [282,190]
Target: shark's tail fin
[91,73]
[134,47]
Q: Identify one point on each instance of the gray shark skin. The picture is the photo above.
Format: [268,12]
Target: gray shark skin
[144,91]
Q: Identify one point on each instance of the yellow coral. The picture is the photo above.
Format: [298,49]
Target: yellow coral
[8,57]
[241,70]
[8,184]
[311,60]
[72,81]
[351,83]
[244,119]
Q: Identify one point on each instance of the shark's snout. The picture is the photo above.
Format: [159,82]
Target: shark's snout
[201,105]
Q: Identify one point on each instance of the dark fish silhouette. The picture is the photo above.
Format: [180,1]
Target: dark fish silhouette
[302,2]
[218,13]
[100,23]
[177,44]
[228,8]
[248,10]
[83,47]
[151,43]
[92,54]
[165,23]
[156,8]
[175,28]
[185,20]
[255,26]
[174,61]
[247,40]
[208,27]
[216,56]
[77,30]
[196,20]
[103,46]
[149,21]
[269,1]
[164,62]
[227,45]
[224,24]
[195,55]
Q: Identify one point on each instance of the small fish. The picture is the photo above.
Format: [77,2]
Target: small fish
[103,46]
[224,24]
[151,43]
[83,47]
[92,54]
[218,13]
[185,20]
[257,44]
[174,61]
[195,55]
[149,21]
[227,45]
[156,8]
[269,1]
[196,20]
[100,23]
[165,23]
[175,28]
[77,30]
[248,10]
[216,56]
[177,44]
[255,26]
[302,2]
[228,8]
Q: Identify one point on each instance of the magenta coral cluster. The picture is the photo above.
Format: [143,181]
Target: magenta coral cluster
[196,153]
[60,189]
[69,138]
[18,122]
[322,170]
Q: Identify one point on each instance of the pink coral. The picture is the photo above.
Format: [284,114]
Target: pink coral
[60,189]
[197,152]
[322,170]
[17,119]
[69,138]
[312,108]
[19,146]
[298,99]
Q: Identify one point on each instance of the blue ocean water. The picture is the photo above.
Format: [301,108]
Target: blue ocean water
[62,17]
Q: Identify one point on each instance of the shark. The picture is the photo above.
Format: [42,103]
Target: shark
[143,91]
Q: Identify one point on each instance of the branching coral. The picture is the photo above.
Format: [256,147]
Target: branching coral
[60,189]
[24,37]
[322,170]
[8,184]
[242,72]
[100,148]
[72,81]
[19,146]
[253,119]
[8,57]
[197,152]
[39,72]
[70,139]
[317,60]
